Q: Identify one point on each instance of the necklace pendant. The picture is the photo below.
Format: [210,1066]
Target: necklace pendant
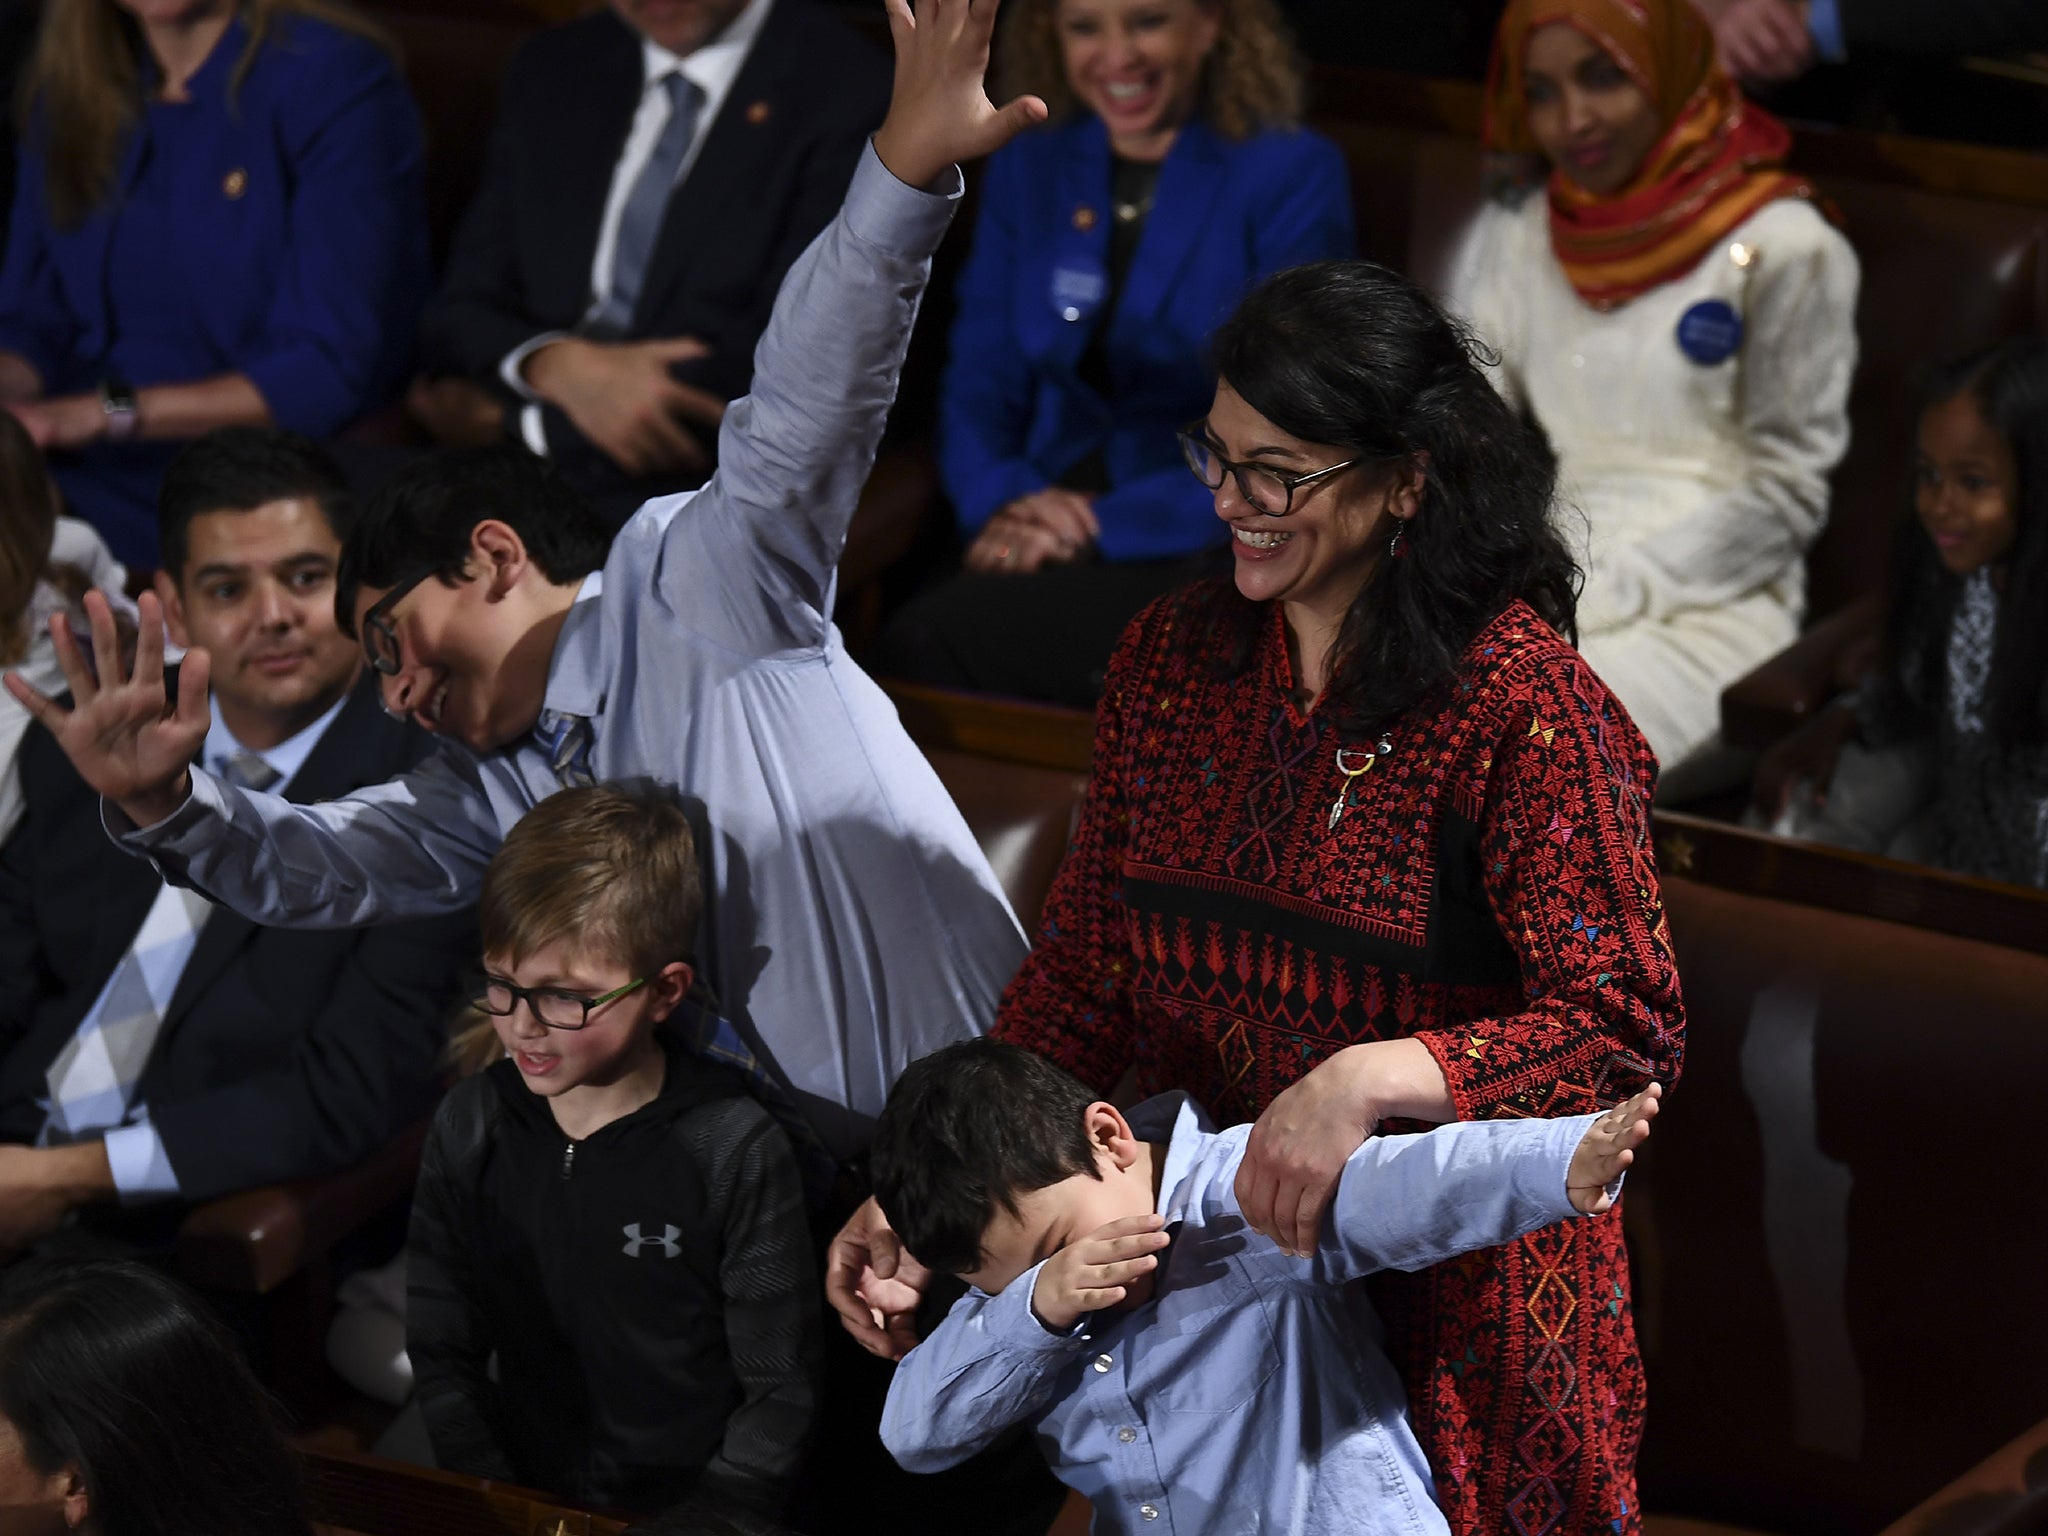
[1336,812]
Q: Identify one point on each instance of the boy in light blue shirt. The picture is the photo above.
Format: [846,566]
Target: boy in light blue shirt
[1182,1371]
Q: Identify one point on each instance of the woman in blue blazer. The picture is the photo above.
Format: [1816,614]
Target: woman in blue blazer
[1109,245]
[219,218]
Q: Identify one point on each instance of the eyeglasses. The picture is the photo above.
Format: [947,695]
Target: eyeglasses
[380,636]
[551,1005]
[1265,490]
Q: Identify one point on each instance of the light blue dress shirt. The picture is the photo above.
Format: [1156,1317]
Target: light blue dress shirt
[851,923]
[1252,1392]
[135,1152]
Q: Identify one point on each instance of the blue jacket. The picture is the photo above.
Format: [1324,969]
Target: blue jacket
[1014,413]
[286,240]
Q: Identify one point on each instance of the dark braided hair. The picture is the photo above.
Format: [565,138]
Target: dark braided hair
[1354,355]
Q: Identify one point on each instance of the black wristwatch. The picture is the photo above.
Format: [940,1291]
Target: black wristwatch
[123,411]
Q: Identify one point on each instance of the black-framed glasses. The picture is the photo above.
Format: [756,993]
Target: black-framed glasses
[380,635]
[1265,489]
[553,1006]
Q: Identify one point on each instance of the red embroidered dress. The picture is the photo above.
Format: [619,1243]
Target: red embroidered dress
[1490,890]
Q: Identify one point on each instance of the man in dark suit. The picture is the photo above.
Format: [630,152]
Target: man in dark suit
[655,169]
[155,1050]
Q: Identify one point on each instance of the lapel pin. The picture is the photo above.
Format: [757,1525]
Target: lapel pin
[759,113]
[234,184]
[1084,218]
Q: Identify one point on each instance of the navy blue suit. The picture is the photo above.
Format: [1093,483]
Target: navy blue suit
[1015,413]
[275,228]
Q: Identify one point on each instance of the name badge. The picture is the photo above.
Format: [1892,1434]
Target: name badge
[1078,290]
[1710,332]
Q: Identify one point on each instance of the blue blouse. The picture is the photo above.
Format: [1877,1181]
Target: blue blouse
[1015,414]
[276,229]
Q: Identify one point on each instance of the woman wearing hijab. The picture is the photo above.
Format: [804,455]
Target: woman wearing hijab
[1677,314]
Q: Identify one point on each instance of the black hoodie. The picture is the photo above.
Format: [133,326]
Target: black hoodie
[649,1293]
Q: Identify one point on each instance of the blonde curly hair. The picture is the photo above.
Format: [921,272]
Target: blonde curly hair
[1252,80]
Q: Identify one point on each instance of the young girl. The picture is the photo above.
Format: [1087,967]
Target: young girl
[46,564]
[1941,756]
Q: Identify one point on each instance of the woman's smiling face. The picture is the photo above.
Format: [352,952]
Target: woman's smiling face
[1321,552]
[1594,123]
[1137,64]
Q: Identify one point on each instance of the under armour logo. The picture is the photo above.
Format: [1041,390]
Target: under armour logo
[670,1248]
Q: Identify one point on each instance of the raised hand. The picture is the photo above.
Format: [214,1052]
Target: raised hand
[939,112]
[1098,1270]
[121,732]
[1607,1149]
[873,1284]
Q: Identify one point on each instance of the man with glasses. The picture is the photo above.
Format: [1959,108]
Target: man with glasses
[158,1051]
[853,924]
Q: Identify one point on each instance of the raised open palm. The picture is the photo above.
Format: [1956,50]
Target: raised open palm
[121,731]
[940,112]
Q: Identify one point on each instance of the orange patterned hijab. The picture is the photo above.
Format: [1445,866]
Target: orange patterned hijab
[1717,163]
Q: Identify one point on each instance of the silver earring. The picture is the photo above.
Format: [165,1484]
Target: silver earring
[1394,545]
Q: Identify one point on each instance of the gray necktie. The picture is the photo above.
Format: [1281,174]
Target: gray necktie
[245,770]
[640,222]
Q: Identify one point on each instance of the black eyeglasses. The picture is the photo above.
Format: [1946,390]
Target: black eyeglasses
[380,636]
[553,1006]
[1265,490]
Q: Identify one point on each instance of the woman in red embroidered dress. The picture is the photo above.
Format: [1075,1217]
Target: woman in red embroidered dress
[1367,844]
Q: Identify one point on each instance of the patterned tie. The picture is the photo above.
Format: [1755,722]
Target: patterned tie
[245,770]
[94,1078]
[640,222]
[566,740]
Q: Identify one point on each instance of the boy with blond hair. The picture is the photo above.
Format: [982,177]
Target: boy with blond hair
[606,1213]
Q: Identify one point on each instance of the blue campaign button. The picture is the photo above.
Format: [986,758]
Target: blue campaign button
[1078,290]
[1710,332]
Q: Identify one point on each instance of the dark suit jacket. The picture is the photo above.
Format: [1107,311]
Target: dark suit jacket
[769,177]
[1956,27]
[285,1052]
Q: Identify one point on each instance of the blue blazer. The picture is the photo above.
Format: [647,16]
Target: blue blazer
[1014,414]
[292,228]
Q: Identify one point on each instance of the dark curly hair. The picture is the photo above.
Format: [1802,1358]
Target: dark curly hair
[1354,355]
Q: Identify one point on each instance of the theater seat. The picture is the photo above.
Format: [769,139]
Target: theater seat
[1021,815]
[271,1249]
[1840,1230]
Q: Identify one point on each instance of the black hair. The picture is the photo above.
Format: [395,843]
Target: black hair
[238,469]
[1355,355]
[2009,383]
[966,1131]
[421,519]
[115,1369]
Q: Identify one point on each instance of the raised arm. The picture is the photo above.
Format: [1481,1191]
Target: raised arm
[750,560]
[989,1365]
[414,847]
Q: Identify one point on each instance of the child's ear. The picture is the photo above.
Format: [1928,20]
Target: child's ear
[497,551]
[1109,1133]
[669,986]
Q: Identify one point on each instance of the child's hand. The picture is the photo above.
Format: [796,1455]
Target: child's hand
[939,112]
[1608,1148]
[1098,1270]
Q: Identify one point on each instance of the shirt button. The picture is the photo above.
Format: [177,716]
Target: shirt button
[1102,1364]
[1127,1434]
[1148,1512]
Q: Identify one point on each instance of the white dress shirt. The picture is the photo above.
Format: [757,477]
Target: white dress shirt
[135,1152]
[712,69]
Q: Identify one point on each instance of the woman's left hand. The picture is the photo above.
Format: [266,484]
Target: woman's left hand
[1297,1150]
[1009,546]
[68,421]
